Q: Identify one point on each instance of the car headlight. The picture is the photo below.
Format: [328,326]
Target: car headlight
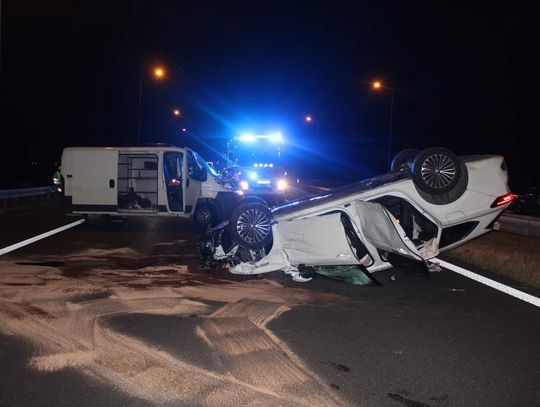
[281,184]
[244,185]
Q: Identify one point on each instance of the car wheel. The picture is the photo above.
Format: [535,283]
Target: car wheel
[250,225]
[403,160]
[94,219]
[205,215]
[439,176]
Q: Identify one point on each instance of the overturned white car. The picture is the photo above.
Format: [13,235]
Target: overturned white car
[431,201]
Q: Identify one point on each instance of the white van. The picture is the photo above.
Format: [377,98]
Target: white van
[131,181]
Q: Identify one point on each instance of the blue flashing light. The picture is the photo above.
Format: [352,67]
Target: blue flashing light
[276,138]
[247,138]
[252,175]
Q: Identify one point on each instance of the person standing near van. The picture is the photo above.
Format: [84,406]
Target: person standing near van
[57,177]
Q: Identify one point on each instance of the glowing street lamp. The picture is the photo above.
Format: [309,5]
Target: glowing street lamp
[308,118]
[376,84]
[159,72]
[177,112]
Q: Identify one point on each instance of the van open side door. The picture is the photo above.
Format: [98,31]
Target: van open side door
[174,179]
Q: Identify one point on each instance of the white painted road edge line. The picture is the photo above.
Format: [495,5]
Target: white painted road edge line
[531,299]
[39,237]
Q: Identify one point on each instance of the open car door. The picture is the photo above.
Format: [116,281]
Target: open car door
[382,230]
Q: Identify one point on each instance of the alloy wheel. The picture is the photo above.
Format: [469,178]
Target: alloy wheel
[438,171]
[253,225]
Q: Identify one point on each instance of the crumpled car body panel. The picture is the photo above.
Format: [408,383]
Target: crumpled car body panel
[315,240]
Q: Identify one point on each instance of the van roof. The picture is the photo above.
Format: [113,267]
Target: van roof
[142,148]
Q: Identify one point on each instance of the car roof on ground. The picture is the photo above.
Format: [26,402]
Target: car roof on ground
[339,193]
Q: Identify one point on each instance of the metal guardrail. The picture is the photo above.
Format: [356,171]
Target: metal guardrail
[24,199]
[520,224]
[24,192]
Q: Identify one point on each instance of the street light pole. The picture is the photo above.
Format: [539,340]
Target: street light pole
[377,85]
[390,126]
[139,113]
[313,122]
[158,73]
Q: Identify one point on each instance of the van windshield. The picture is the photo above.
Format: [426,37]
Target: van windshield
[201,161]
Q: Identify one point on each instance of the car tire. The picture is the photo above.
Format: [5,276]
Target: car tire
[439,176]
[250,225]
[229,185]
[96,220]
[404,160]
[205,215]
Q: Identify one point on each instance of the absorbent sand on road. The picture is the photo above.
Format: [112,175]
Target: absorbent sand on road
[63,307]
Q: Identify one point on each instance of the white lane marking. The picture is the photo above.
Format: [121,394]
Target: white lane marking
[39,237]
[531,299]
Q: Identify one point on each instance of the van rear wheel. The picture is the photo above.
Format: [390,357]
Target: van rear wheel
[95,219]
[205,215]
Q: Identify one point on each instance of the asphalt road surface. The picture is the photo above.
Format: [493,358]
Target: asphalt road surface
[123,316]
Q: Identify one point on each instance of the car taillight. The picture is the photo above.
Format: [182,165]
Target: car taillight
[504,199]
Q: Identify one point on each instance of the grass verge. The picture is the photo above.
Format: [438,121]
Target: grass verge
[508,255]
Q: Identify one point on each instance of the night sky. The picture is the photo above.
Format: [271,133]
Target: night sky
[461,72]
